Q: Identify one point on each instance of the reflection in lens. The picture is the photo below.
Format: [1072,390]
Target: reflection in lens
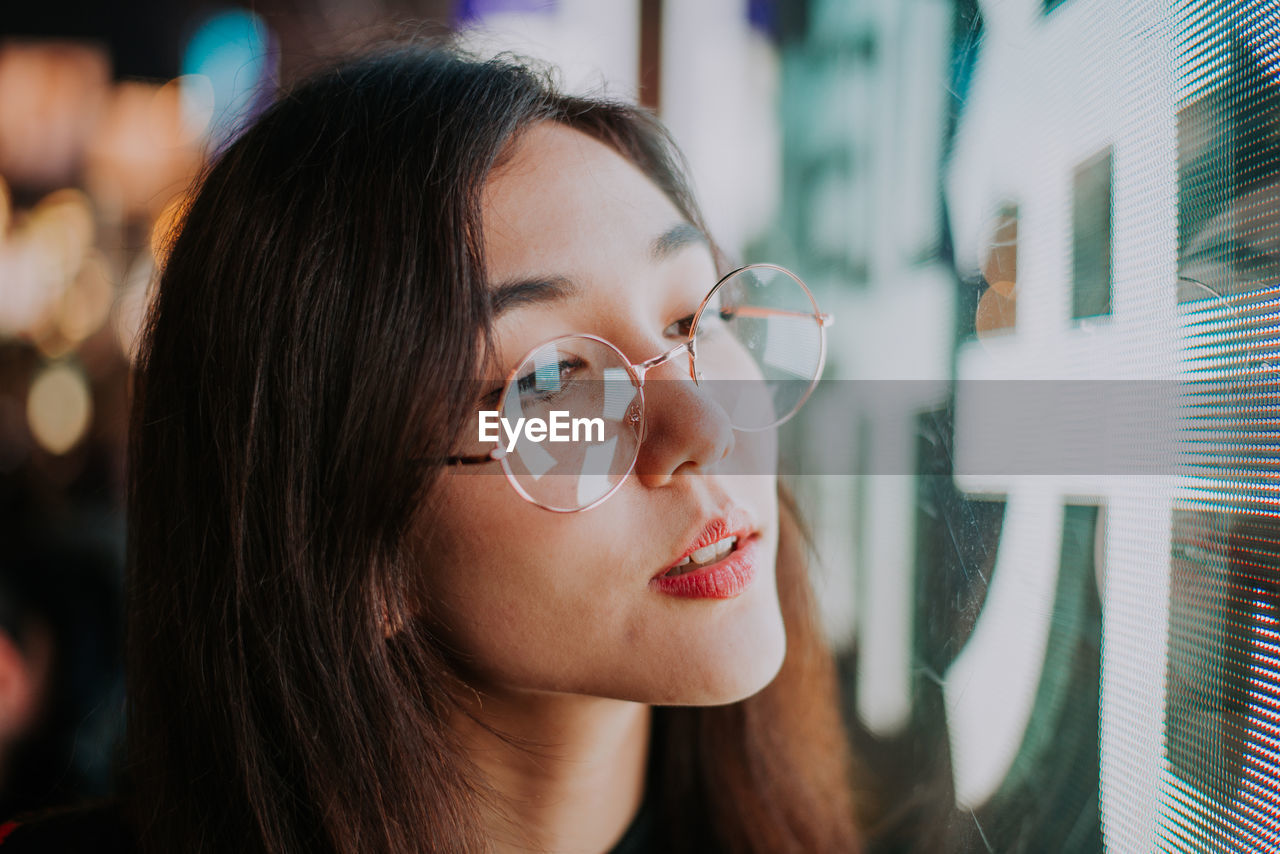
[584,396]
[759,346]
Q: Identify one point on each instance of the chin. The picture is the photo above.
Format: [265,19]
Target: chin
[736,663]
[749,674]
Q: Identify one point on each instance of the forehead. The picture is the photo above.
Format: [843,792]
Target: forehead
[564,203]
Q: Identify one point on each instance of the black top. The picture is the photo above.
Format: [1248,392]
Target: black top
[642,836]
[100,829]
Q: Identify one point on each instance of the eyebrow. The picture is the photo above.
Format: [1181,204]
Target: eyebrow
[674,239]
[538,291]
[508,295]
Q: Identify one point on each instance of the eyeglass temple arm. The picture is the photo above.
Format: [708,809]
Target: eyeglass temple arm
[476,459]
[822,317]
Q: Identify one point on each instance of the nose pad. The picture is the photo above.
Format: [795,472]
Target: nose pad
[635,417]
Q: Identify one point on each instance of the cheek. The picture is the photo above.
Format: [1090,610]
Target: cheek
[552,602]
[515,588]
[754,455]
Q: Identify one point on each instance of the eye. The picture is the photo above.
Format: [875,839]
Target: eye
[680,329]
[712,321]
[528,385]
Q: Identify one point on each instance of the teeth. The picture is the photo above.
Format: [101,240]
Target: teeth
[704,555]
[713,552]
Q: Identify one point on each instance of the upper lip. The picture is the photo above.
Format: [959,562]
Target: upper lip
[734,523]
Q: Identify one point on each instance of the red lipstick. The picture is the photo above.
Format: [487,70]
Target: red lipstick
[724,579]
[728,575]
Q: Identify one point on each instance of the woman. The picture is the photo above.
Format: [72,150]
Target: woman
[354,626]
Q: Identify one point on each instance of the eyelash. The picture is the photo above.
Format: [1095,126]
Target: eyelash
[706,324]
[526,382]
[523,384]
[682,325]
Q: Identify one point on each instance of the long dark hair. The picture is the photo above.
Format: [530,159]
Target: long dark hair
[284,406]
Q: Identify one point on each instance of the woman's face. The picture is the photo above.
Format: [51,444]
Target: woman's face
[538,601]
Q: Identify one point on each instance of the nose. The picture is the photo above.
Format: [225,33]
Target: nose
[686,431]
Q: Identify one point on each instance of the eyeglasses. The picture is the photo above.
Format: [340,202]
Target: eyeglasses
[572,414]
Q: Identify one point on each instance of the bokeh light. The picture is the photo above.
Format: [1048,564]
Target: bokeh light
[59,407]
[62,226]
[53,93]
[131,304]
[41,256]
[197,100]
[230,50]
[143,152]
[87,300]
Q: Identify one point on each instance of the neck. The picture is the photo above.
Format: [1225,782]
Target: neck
[568,776]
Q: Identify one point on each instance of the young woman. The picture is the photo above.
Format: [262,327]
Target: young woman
[354,625]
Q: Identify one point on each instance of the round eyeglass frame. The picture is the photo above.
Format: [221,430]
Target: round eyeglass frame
[637,372]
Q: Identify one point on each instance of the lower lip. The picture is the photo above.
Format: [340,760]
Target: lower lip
[723,579]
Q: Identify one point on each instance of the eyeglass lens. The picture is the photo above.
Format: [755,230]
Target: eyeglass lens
[758,346]
[591,384]
[757,351]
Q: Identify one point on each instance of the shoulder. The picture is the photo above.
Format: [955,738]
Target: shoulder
[92,829]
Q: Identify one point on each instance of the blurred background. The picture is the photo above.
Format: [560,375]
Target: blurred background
[1075,200]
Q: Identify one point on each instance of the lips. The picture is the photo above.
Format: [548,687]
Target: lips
[736,523]
[724,579]
[703,556]
[718,563]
